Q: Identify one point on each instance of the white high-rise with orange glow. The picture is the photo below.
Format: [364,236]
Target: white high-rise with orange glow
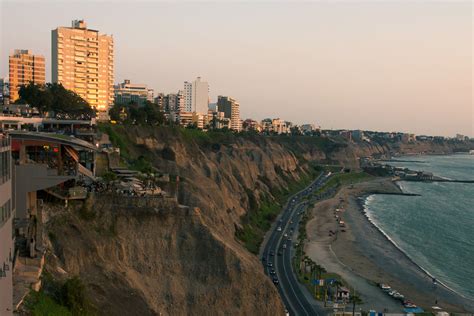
[83,61]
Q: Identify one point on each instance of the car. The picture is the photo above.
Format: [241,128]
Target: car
[285,235]
[279,229]
[291,222]
[410,305]
[398,296]
[284,246]
[275,281]
[270,264]
[385,287]
[272,253]
[272,271]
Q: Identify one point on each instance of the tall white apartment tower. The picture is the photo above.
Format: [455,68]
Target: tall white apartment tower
[200,96]
[83,61]
[196,96]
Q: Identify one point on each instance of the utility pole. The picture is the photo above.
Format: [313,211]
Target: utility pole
[353,303]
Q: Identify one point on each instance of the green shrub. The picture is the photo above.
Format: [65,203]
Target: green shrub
[40,304]
[74,298]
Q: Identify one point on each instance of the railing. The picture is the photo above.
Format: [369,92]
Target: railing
[4,141]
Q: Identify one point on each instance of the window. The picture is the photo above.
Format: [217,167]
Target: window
[4,166]
[5,212]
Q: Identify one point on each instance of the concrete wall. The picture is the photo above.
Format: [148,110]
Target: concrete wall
[29,178]
[6,253]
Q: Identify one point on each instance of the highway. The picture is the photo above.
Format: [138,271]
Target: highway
[278,252]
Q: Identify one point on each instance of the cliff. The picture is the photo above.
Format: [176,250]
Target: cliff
[168,259]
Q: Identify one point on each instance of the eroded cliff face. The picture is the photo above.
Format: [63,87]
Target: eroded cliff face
[161,259]
[171,260]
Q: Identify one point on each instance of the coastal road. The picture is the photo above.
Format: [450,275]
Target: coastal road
[277,255]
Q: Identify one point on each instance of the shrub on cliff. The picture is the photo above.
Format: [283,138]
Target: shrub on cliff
[74,297]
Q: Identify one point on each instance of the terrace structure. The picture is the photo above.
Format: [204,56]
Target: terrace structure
[82,129]
[49,162]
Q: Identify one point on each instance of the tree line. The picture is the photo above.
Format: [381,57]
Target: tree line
[53,98]
[147,114]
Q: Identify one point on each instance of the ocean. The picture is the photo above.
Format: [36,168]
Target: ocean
[436,229]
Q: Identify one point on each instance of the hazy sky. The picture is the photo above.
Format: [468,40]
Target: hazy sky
[399,65]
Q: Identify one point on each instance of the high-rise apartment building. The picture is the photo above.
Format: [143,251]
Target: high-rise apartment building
[83,61]
[196,96]
[24,67]
[127,92]
[174,102]
[231,110]
[200,96]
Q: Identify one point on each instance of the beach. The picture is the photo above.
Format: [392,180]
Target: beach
[364,256]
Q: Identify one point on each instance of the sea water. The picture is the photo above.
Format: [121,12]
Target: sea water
[436,229]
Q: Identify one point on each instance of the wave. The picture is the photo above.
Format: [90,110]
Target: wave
[365,209]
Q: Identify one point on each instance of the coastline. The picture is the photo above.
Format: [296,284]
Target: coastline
[363,208]
[365,251]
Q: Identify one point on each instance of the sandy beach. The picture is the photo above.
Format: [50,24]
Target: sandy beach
[363,256]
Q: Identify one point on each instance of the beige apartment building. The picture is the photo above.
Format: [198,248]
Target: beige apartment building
[231,110]
[83,61]
[24,67]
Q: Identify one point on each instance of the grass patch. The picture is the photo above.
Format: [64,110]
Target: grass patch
[56,299]
[259,219]
[40,304]
[209,138]
[117,137]
[343,179]
[256,223]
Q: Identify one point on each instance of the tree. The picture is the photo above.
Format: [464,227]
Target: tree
[137,114]
[54,97]
[37,96]
[68,104]
[153,114]
[118,113]
[295,131]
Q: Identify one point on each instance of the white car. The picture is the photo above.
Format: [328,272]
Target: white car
[385,287]
[279,229]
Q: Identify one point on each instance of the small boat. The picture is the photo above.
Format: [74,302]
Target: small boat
[471,152]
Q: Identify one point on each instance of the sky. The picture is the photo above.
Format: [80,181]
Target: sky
[371,65]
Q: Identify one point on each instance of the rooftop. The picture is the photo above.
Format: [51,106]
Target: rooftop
[52,137]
